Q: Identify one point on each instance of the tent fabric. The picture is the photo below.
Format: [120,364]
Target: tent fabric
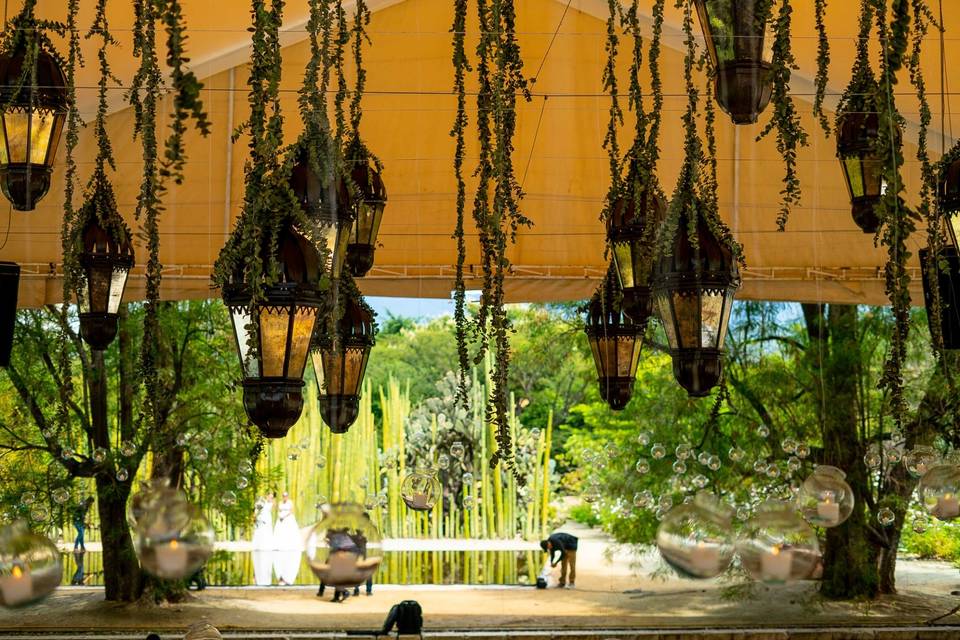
[408,111]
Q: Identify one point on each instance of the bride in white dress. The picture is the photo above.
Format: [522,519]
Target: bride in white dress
[263,542]
[287,542]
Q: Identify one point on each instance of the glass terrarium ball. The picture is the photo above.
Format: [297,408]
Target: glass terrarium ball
[736,454]
[642,499]
[920,523]
[893,454]
[777,545]
[182,439]
[773,470]
[760,466]
[99,454]
[122,475]
[696,538]
[457,450]
[703,458]
[803,450]
[229,498]
[29,565]
[467,478]
[612,451]
[242,482]
[200,454]
[763,431]
[39,513]
[591,493]
[825,498]
[245,467]
[344,549]
[714,463]
[886,516]
[919,459]
[679,466]
[642,466]
[643,438]
[872,458]
[535,434]
[60,495]
[127,448]
[789,445]
[700,481]
[793,464]
[940,491]
[321,462]
[683,451]
[174,538]
[293,454]
[658,451]
[443,461]
[420,489]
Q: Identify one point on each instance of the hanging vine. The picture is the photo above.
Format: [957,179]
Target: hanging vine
[357,154]
[823,66]
[461,66]
[785,119]
[614,112]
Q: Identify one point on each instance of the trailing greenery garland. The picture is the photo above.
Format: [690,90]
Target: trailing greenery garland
[784,119]
[356,153]
[461,66]
[823,66]
[615,113]
[28,34]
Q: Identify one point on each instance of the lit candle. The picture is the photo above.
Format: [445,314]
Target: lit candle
[704,559]
[947,507]
[172,559]
[17,587]
[828,511]
[419,501]
[777,564]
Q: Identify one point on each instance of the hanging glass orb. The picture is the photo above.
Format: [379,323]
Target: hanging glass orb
[793,464]
[919,459]
[341,363]
[920,523]
[740,45]
[763,431]
[642,466]
[127,448]
[760,466]
[893,454]
[872,458]
[694,287]
[631,228]
[683,451]
[700,481]
[776,544]
[679,467]
[293,454]
[803,450]
[420,489]
[30,566]
[105,257]
[467,478]
[789,445]
[40,513]
[369,201]
[696,538]
[122,475]
[825,499]
[615,341]
[174,539]
[245,467]
[643,499]
[643,438]
[32,114]
[60,495]
[326,202]
[713,463]
[273,338]
[228,498]
[242,483]
[736,454]
[345,548]
[703,457]
[443,461]
[457,450]
[886,516]
[773,470]
[658,451]
[534,434]
[321,462]
[939,491]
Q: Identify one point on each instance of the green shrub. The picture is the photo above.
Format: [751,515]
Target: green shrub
[939,542]
[584,514]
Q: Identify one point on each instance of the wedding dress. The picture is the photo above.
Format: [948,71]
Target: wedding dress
[263,529]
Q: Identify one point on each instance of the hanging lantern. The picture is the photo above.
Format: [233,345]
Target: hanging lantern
[948,193]
[920,459]
[693,288]
[345,548]
[339,364]
[106,257]
[940,491]
[948,283]
[30,566]
[629,233]
[776,545]
[741,49]
[825,499]
[328,206]
[273,338]
[420,489]
[9,286]
[696,539]
[32,118]
[615,341]
[857,136]
[370,201]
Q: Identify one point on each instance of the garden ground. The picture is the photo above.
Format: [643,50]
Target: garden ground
[614,591]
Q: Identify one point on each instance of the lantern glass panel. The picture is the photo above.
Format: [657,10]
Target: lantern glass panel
[628,355]
[4,156]
[854,171]
[118,282]
[41,132]
[302,331]
[241,322]
[15,124]
[953,228]
[623,255]
[367,225]
[336,243]
[688,320]
[711,306]
[725,321]
[735,30]
[274,327]
[666,319]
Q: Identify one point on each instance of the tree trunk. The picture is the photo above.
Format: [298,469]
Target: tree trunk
[121,570]
[850,567]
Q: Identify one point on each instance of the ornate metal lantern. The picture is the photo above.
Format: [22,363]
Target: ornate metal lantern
[32,117]
[9,286]
[273,337]
[741,49]
[369,203]
[948,282]
[615,341]
[948,193]
[629,230]
[327,204]
[106,257]
[340,362]
[693,289]
[857,135]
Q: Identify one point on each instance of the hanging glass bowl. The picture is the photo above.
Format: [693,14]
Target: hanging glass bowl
[174,538]
[345,548]
[696,539]
[29,565]
[825,499]
[940,490]
[919,459]
[420,489]
[776,544]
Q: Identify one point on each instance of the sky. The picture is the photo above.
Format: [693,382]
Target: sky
[417,308]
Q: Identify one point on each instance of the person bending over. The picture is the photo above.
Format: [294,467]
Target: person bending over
[566,545]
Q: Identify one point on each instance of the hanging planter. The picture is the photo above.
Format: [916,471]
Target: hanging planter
[340,361]
[33,108]
[615,341]
[740,45]
[948,284]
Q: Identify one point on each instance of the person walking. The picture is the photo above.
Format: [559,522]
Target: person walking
[80,522]
[566,545]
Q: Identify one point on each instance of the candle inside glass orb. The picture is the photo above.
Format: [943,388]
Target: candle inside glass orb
[828,510]
[777,564]
[172,558]
[947,507]
[17,587]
